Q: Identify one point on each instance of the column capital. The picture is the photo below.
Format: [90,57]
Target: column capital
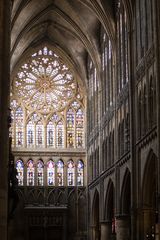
[105,222]
[122,216]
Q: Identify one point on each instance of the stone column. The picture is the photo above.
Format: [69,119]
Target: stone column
[106,230]
[122,228]
[157,231]
[149,224]
[4,105]
[92,232]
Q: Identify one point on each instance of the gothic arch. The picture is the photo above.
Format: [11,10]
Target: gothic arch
[109,202]
[126,193]
[94,203]
[149,196]
[149,185]
[95,214]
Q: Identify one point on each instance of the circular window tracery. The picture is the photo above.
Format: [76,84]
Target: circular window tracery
[45,83]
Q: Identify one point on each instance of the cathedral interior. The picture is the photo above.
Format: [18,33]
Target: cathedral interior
[79,120]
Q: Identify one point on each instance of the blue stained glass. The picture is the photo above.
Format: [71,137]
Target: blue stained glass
[71,173]
[50,173]
[80,173]
[20,169]
[30,173]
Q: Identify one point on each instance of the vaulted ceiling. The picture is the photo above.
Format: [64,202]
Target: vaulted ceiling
[70,26]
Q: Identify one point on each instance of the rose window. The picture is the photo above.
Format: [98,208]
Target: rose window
[44,83]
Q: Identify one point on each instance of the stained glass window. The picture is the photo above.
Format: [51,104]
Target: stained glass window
[50,134]
[80,173]
[45,89]
[75,105]
[48,84]
[39,134]
[30,173]
[50,173]
[30,134]
[60,134]
[40,167]
[60,166]
[70,127]
[70,173]
[19,127]
[20,170]
[79,128]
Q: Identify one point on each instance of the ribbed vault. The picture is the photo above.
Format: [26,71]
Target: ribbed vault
[71,26]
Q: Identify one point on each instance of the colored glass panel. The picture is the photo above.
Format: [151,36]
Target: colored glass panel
[70,127]
[20,170]
[60,134]
[50,134]
[80,173]
[39,134]
[19,127]
[60,166]
[30,173]
[71,173]
[50,173]
[40,167]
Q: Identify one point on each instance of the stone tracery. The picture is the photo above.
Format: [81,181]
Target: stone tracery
[43,91]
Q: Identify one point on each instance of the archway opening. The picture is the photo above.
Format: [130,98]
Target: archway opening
[110,210]
[96,223]
[149,198]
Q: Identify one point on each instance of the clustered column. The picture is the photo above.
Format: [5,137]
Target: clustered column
[122,228]
[106,230]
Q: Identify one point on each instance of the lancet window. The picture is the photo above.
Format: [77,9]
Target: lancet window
[19,127]
[30,173]
[20,171]
[70,127]
[50,173]
[79,127]
[60,135]
[50,134]
[55,172]
[40,167]
[80,173]
[39,134]
[60,167]
[122,41]
[71,173]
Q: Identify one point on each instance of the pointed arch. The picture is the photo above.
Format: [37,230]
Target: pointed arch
[40,172]
[60,172]
[149,217]
[149,184]
[109,202]
[30,172]
[109,207]
[80,173]
[95,215]
[126,193]
[95,204]
[50,173]
[70,173]
[20,171]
